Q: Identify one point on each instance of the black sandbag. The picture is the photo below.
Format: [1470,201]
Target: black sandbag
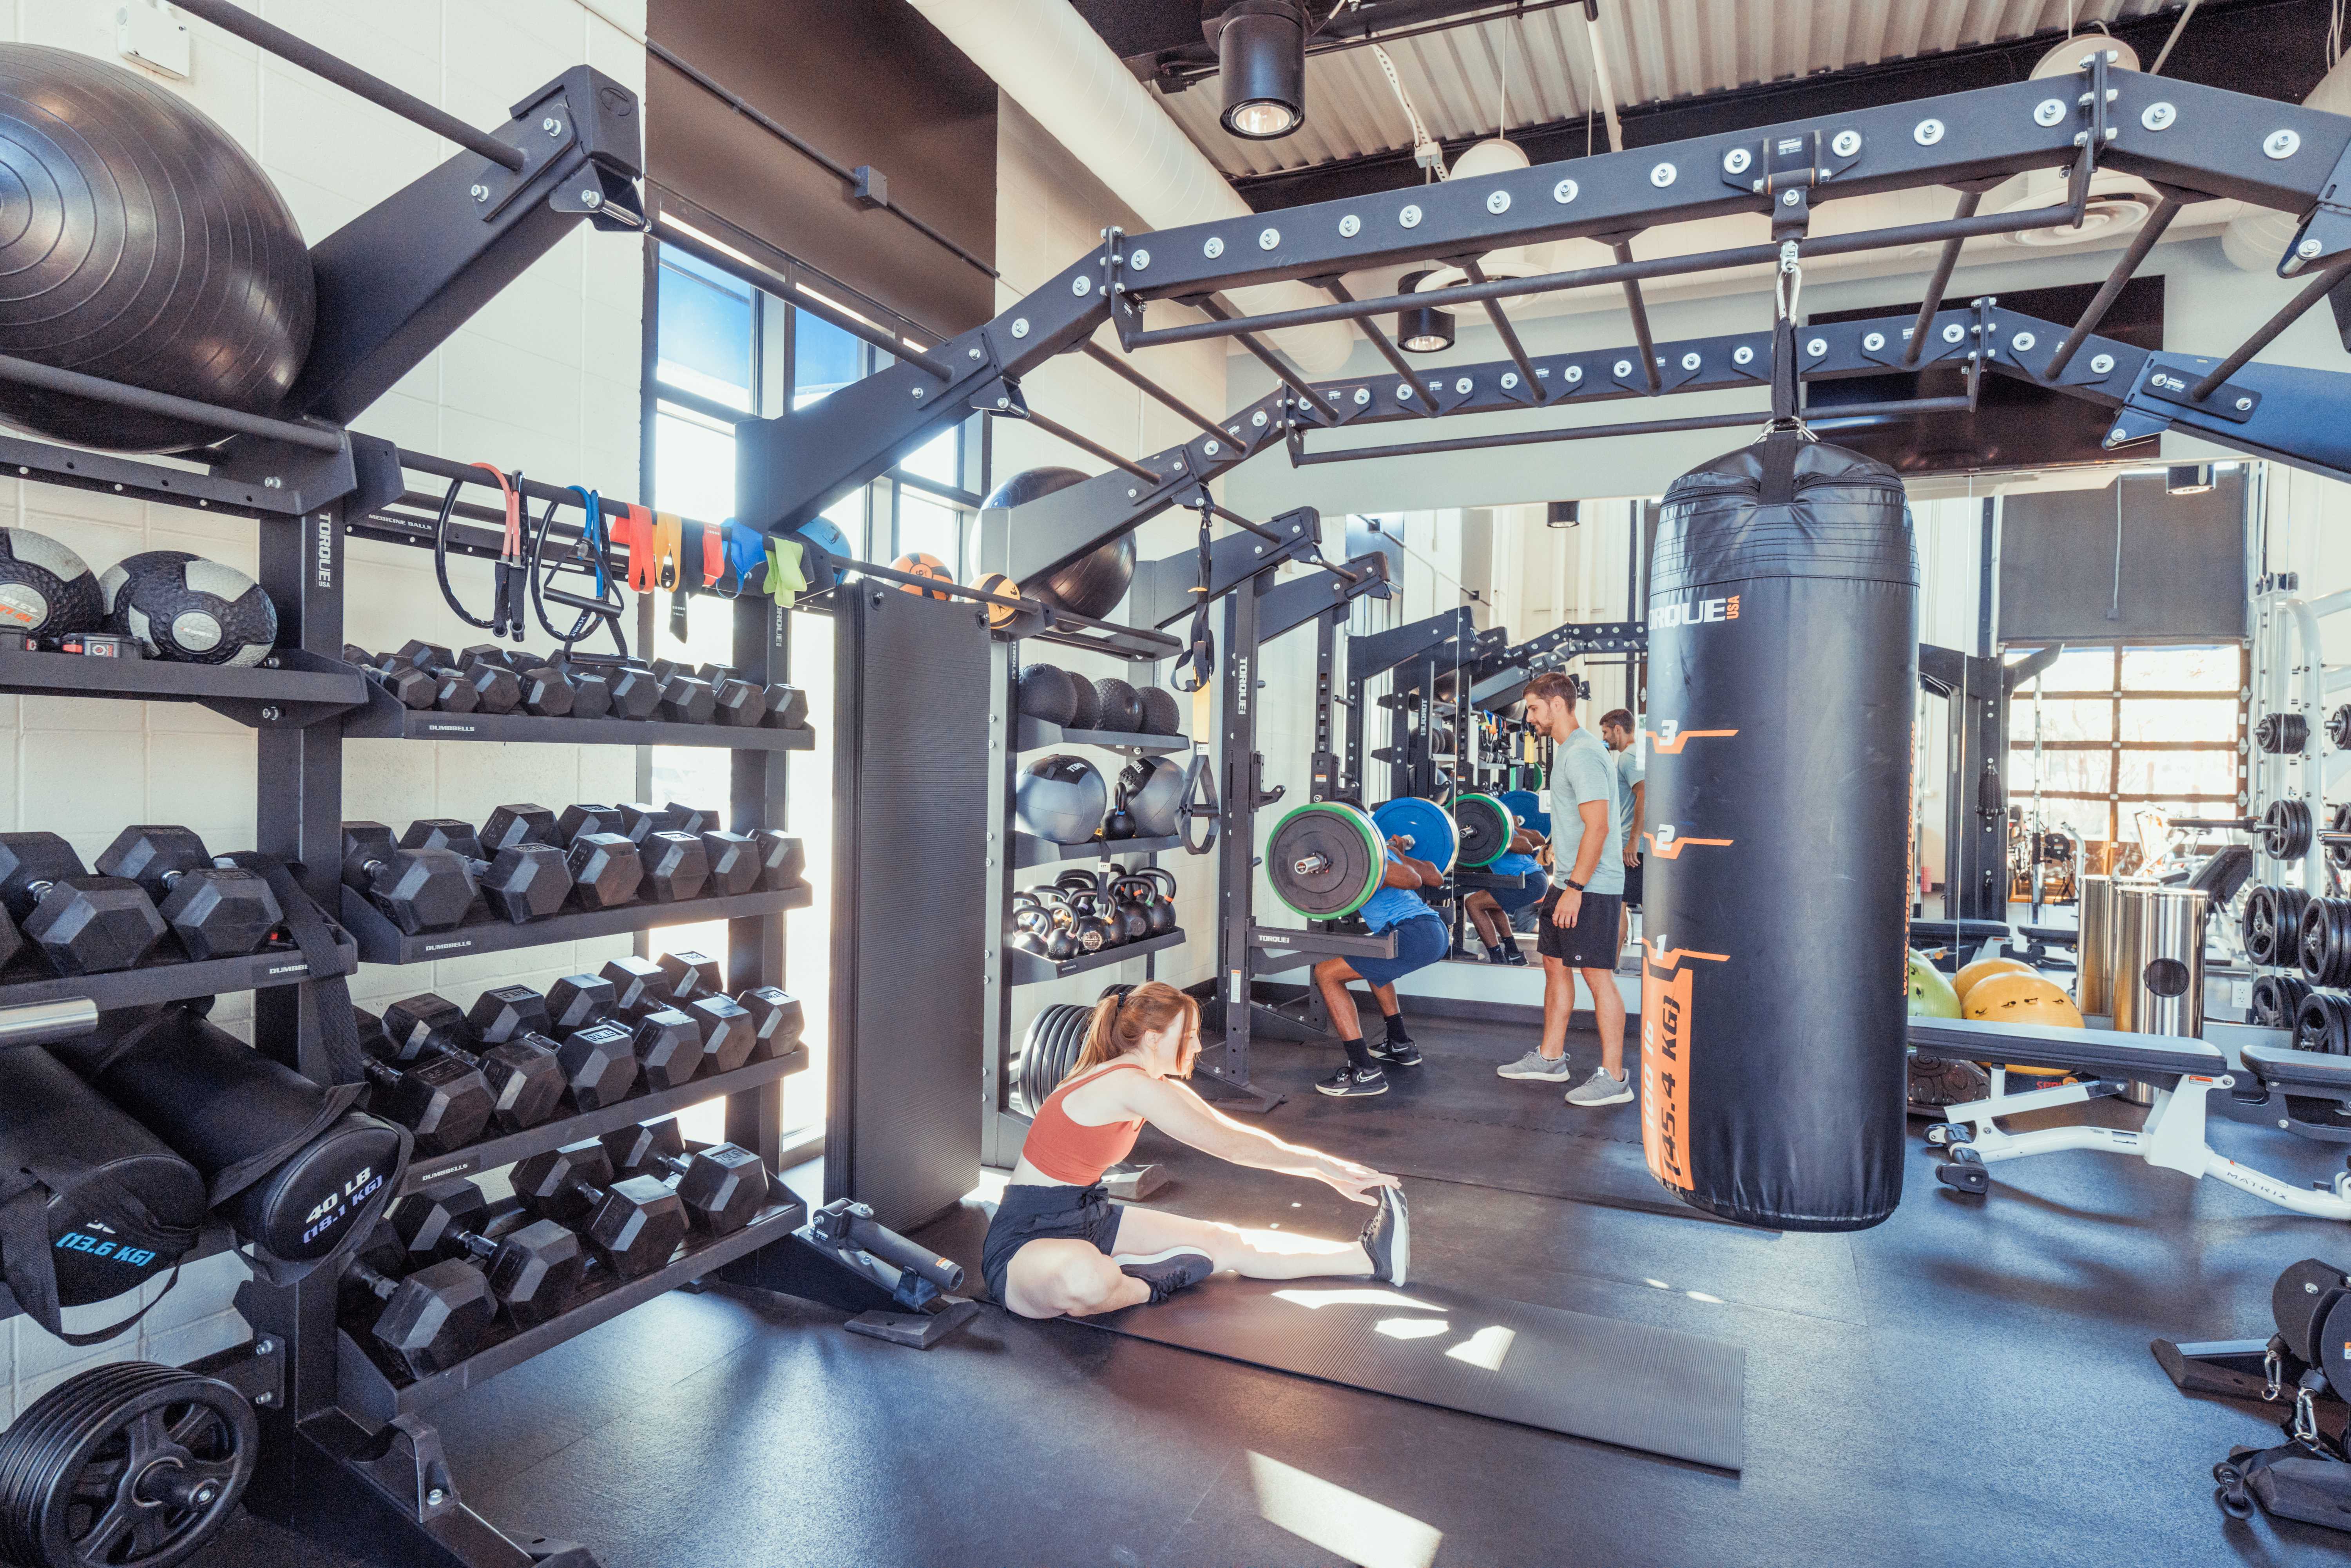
[1782,674]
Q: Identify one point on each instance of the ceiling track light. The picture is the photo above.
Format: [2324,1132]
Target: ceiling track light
[1422,329]
[1261,65]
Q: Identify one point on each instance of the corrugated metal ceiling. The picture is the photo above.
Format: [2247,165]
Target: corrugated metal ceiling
[1658,49]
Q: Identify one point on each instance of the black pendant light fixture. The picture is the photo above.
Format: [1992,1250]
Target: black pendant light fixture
[1261,65]
[1423,329]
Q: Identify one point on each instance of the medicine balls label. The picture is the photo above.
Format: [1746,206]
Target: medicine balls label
[1666,1036]
[195,631]
[22,605]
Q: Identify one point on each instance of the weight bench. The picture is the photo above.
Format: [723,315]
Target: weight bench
[2181,1071]
[2305,1091]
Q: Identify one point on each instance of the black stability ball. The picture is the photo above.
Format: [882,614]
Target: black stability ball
[1094,582]
[138,242]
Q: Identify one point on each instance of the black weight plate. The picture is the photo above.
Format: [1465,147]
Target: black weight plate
[2299,1303]
[1485,825]
[2257,926]
[2333,1344]
[1322,861]
[2276,999]
[2339,820]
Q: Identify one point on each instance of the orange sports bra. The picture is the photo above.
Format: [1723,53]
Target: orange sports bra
[1071,1150]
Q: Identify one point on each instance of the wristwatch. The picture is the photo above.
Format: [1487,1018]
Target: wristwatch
[1575,884]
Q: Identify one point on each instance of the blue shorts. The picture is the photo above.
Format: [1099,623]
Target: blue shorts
[1514,899]
[1420,941]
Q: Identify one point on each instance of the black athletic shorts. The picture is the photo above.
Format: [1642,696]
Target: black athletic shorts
[1591,942]
[1633,885]
[1029,1213]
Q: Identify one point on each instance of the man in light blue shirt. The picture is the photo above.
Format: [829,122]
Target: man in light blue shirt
[1581,920]
[1632,798]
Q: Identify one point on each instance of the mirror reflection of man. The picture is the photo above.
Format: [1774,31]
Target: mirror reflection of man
[1579,920]
[1617,733]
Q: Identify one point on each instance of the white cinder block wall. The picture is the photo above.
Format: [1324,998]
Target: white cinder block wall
[544,380]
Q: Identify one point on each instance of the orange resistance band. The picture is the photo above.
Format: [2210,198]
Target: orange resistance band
[667,528]
[514,509]
[633,531]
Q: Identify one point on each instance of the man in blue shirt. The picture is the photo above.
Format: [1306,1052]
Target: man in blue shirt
[1580,919]
[1421,939]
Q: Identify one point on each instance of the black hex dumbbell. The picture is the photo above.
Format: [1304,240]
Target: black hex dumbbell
[639,985]
[733,857]
[493,687]
[599,1064]
[591,693]
[726,1029]
[577,820]
[685,700]
[410,686]
[689,975]
[545,693]
[534,1271]
[607,871]
[777,1021]
[669,1047]
[786,706]
[445,1102]
[217,912]
[418,889]
[723,1187]
[740,703]
[576,1002]
[427,1322]
[83,924]
[677,866]
[521,882]
[636,691]
[640,819]
[521,824]
[783,860]
[633,1224]
[526,1082]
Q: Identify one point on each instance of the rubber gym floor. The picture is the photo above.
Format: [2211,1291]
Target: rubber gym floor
[1968,1382]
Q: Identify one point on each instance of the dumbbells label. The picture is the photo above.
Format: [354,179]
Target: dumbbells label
[448,946]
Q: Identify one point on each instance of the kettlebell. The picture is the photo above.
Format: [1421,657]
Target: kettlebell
[1061,935]
[1078,881]
[1032,926]
[1132,895]
[1162,909]
[1096,929]
[1120,822]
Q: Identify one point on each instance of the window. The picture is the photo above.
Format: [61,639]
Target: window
[2107,732]
[704,339]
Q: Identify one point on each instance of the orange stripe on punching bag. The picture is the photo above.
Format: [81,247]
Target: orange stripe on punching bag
[1666,1034]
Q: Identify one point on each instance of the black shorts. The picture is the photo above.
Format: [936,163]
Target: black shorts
[1029,1213]
[1633,885]
[1591,942]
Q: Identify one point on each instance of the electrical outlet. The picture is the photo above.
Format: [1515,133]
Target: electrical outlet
[150,34]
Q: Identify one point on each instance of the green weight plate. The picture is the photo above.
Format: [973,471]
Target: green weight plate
[1429,825]
[1485,824]
[1326,859]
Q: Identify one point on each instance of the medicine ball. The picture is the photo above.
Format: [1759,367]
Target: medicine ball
[46,589]
[1153,788]
[1045,691]
[145,245]
[1085,703]
[1162,714]
[184,607]
[996,585]
[1094,582]
[1061,800]
[922,563]
[1121,707]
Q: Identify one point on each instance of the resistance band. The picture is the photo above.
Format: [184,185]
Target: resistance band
[510,570]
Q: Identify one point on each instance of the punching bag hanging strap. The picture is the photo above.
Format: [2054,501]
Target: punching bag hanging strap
[1785,434]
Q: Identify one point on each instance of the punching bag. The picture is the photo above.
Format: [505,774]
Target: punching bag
[1782,674]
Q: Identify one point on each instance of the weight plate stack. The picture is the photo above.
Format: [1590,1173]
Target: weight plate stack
[1326,859]
[2338,855]
[2282,734]
[2338,728]
[1485,826]
[2326,942]
[2272,926]
[1055,1037]
[2286,828]
[132,1465]
[1429,825]
[2277,1000]
[2322,1023]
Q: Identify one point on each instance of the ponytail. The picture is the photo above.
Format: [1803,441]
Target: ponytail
[1124,1015]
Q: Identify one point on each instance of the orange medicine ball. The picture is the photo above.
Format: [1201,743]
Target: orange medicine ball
[921,563]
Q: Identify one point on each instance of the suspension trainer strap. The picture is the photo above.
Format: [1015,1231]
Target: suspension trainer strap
[1197,665]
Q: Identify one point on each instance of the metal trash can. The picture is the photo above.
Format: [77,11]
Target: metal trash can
[2094,982]
[2157,980]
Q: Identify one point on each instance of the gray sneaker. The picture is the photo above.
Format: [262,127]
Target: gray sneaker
[1542,1069]
[1600,1089]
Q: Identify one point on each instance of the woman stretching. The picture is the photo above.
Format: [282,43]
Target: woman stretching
[1057,1246]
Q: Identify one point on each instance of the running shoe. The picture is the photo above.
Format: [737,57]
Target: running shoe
[1395,1053]
[1541,1068]
[1177,1268]
[1601,1089]
[1387,1238]
[1351,1081]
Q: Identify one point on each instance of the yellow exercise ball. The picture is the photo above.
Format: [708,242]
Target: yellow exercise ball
[1983,969]
[2025,998]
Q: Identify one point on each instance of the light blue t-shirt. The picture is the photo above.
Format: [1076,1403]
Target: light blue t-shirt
[1581,774]
[1394,907]
[1629,774]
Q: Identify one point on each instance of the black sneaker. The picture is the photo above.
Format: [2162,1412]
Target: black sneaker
[1351,1080]
[1395,1053]
[1387,1238]
[1514,954]
[1177,1268]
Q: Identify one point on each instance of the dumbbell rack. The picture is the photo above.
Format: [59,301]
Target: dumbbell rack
[345,1454]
